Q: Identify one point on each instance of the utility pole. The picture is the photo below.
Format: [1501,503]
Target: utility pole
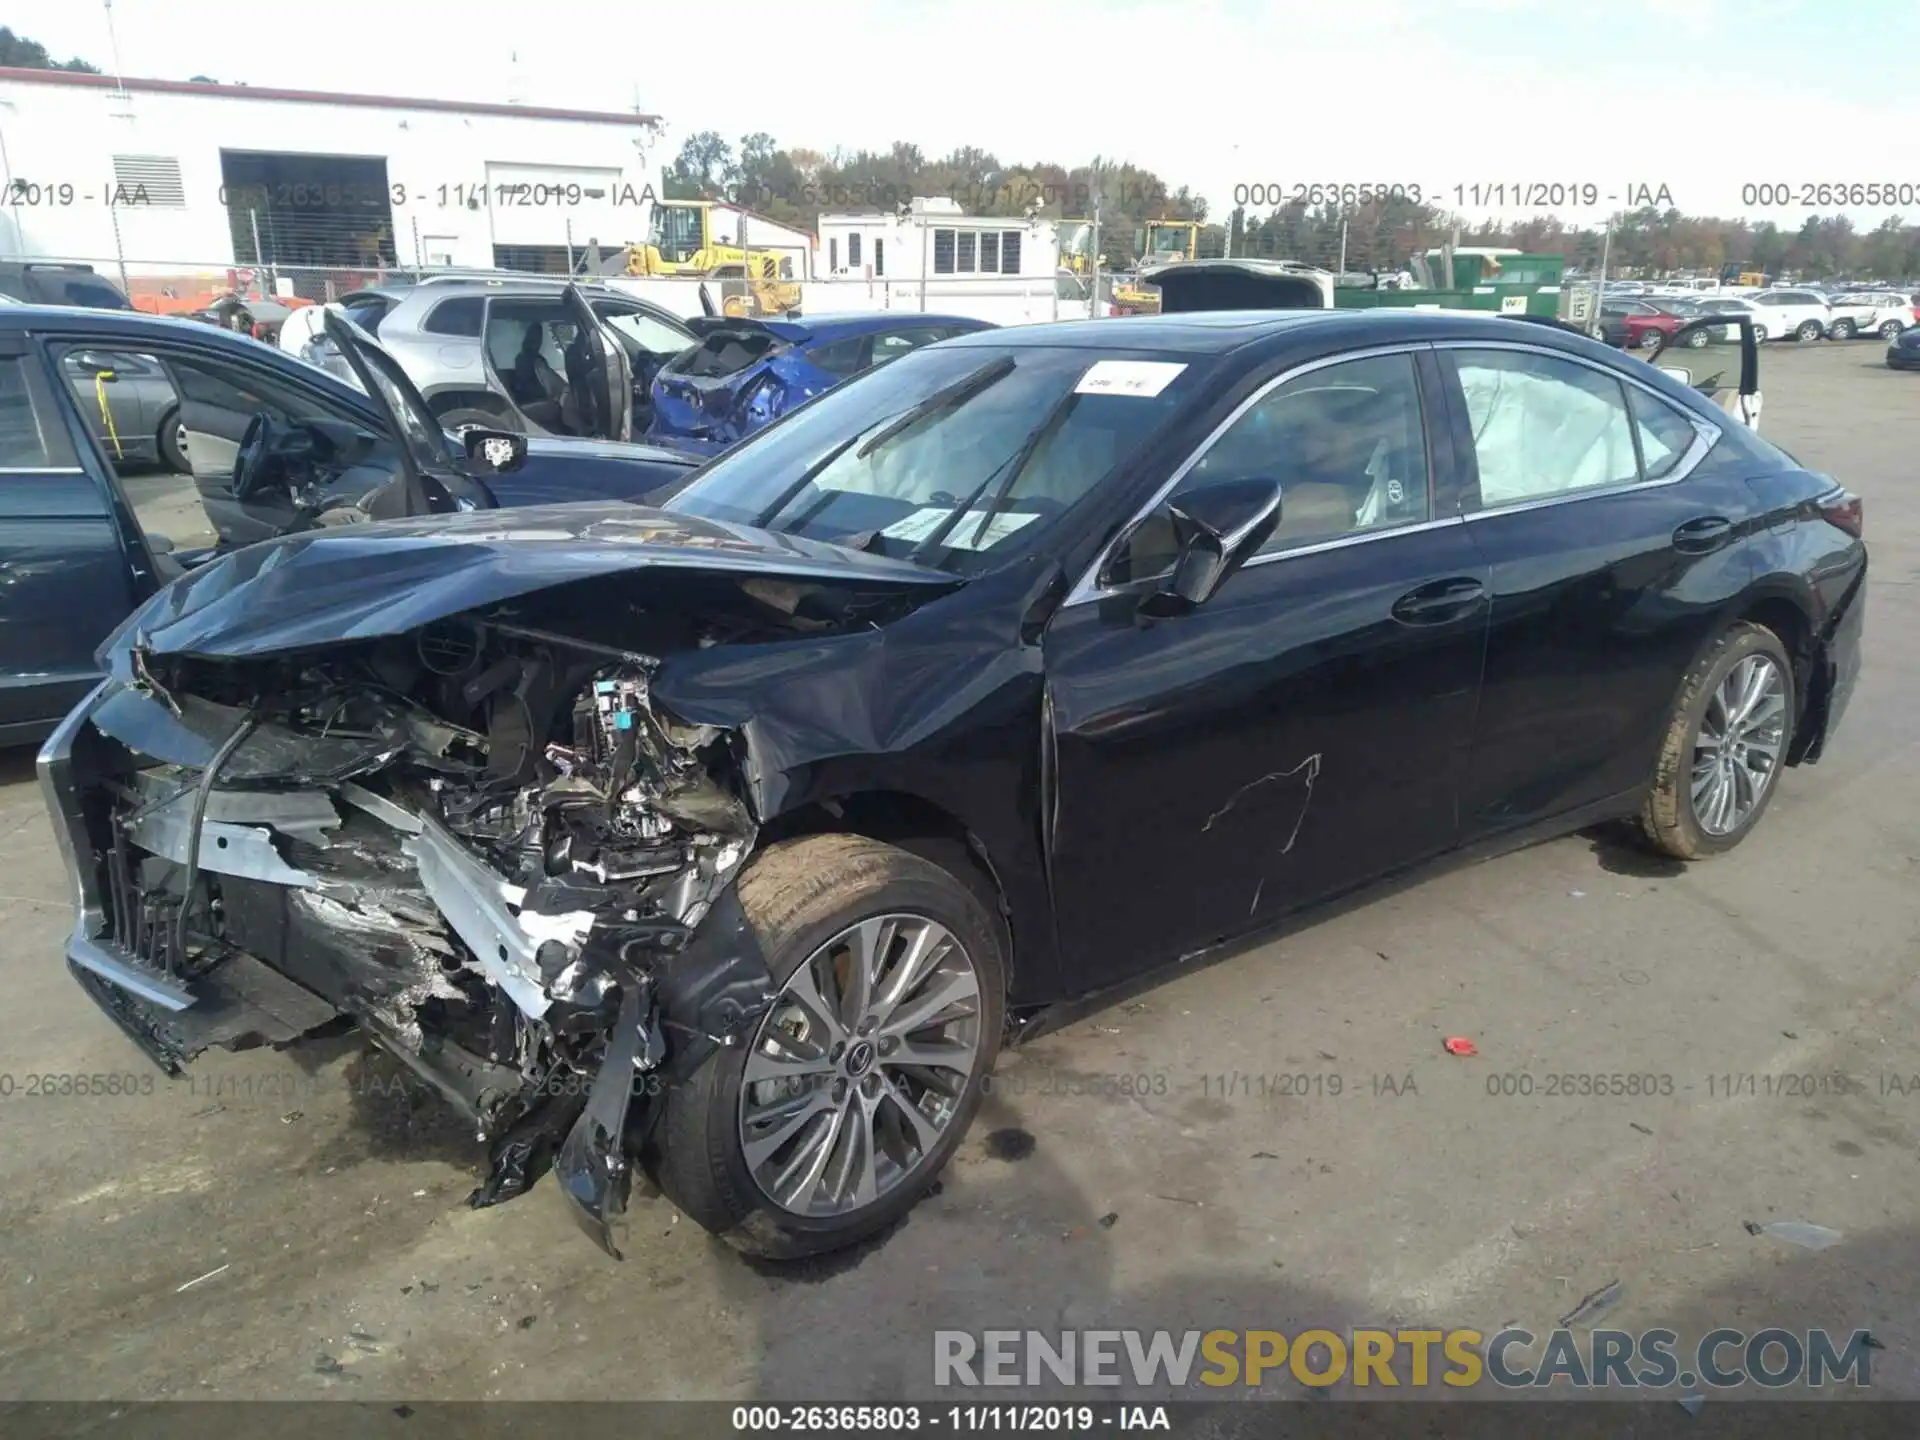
[1094,308]
[1343,247]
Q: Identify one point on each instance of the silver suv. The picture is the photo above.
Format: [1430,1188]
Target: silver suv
[488,351]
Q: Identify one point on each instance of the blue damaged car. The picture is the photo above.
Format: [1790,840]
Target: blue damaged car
[745,374]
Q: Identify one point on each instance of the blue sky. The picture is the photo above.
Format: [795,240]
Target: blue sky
[1702,96]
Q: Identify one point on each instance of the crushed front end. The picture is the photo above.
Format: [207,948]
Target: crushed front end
[487,846]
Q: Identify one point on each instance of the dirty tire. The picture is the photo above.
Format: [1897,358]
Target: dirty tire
[1667,815]
[798,894]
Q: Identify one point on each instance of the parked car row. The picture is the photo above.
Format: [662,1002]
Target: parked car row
[493,351]
[1646,321]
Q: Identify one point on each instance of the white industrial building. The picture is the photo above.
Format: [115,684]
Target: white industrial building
[159,176]
[936,238]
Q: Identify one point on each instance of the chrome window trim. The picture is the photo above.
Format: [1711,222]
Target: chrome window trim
[1705,433]
[1087,589]
[1706,436]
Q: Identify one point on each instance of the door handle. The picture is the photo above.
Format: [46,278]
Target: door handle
[1439,602]
[1704,533]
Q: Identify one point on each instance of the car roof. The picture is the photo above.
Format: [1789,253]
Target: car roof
[125,326]
[1221,332]
[838,327]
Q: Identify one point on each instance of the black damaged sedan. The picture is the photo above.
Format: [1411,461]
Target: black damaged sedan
[726,842]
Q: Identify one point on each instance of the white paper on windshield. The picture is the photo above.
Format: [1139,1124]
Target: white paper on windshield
[1144,378]
[922,523]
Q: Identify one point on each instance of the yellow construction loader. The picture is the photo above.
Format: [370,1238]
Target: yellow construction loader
[680,243]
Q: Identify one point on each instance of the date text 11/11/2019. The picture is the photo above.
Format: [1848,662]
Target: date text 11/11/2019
[1482,194]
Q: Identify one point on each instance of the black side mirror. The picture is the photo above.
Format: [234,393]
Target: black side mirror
[494,452]
[1216,529]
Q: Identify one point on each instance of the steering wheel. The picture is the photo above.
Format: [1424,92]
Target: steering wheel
[250,464]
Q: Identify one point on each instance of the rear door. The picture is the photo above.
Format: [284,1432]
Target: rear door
[68,570]
[1612,529]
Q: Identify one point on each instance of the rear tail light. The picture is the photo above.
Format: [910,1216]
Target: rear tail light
[1844,510]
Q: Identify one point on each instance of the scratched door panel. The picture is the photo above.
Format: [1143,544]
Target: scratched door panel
[1289,739]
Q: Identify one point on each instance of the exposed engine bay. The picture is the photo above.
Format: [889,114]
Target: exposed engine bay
[482,841]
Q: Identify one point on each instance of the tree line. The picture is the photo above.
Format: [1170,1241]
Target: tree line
[795,186]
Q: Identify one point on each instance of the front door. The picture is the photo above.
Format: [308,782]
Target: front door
[1304,730]
[69,572]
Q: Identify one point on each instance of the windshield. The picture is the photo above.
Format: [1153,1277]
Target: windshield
[955,457]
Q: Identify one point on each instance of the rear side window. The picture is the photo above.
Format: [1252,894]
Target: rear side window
[456,317]
[1665,434]
[1544,427]
[56,288]
[31,435]
[847,357]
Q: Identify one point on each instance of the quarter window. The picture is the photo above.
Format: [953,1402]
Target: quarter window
[1543,426]
[456,317]
[1665,434]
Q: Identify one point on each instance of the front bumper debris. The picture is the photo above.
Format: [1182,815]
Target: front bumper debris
[334,903]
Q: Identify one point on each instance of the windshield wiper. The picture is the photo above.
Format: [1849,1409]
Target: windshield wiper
[785,498]
[962,389]
[1011,468]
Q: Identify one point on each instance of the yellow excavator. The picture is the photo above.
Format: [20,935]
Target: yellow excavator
[680,243]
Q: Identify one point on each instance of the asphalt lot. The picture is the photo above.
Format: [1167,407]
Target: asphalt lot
[329,1202]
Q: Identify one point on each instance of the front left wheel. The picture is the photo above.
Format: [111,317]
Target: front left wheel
[865,1073]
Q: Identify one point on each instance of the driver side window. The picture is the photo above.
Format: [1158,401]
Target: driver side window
[171,424]
[1346,443]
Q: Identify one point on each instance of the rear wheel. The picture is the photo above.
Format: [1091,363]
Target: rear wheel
[866,1071]
[1809,330]
[1891,330]
[1843,329]
[1697,340]
[1725,745]
[1653,342]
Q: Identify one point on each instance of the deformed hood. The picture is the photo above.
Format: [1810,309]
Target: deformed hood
[364,582]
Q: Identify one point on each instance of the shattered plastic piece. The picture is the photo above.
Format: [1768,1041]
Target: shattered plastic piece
[1460,1045]
[327,1365]
[1871,1341]
[1799,1232]
[1693,1404]
[1109,1220]
[523,1155]
[1593,1303]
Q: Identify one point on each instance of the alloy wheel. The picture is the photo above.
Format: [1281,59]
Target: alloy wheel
[1737,748]
[860,1066]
